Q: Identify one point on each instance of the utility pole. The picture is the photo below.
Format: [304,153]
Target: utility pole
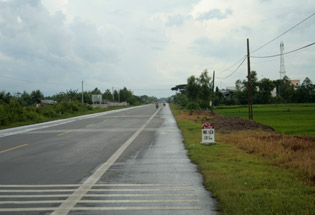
[250,97]
[82,93]
[113,93]
[212,103]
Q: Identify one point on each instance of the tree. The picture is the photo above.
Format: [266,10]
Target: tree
[192,89]
[286,90]
[25,99]
[5,97]
[107,95]
[36,96]
[181,88]
[305,93]
[241,93]
[205,87]
[218,97]
[265,88]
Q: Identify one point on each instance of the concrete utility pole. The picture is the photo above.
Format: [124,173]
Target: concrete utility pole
[82,93]
[212,103]
[250,97]
[113,93]
[282,68]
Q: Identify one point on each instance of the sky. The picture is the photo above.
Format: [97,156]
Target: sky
[148,46]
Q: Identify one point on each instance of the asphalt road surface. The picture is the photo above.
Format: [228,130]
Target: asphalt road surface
[125,162]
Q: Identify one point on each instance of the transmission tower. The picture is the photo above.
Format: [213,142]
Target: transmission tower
[282,69]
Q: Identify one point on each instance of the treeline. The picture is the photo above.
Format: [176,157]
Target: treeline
[20,108]
[123,95]
[197,92]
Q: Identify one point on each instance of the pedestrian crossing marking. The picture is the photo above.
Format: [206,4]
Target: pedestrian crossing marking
[116,197]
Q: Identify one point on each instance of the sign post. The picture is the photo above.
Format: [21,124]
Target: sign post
[207,133]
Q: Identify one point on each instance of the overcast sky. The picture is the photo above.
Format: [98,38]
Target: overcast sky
[148,46]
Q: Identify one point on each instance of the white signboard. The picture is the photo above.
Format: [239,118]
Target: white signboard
[97,98]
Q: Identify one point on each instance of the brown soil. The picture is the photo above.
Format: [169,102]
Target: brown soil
[226,124]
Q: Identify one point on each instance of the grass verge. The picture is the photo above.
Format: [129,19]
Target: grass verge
[243,182]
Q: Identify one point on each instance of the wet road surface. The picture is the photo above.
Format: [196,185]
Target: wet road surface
[121,162]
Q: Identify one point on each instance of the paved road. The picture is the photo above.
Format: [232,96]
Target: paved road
[129,161]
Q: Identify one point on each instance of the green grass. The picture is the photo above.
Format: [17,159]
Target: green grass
[246,183]
[289,119]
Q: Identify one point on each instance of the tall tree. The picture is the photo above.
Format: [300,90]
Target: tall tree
[107,95]
[205,89]
[192,89]
[265,88]
[36,96]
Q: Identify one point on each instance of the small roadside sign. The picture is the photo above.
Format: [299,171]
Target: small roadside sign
[207,133]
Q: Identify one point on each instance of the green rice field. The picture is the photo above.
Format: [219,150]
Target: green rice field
[291,119]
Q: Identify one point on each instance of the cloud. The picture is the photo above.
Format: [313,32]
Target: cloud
[176,20]
[223,48]
[214,14]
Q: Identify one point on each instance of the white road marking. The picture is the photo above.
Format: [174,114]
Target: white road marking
[98,130]
[70,203]
[99,209]
[95,185]
[92,190]
[100,195]
[102,201]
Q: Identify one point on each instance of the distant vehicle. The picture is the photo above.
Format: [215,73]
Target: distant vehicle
[157,105]
[163,103]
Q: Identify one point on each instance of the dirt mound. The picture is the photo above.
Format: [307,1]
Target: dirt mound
[225,124]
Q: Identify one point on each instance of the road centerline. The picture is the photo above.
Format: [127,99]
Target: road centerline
[76,196]
[10,149]
[63,133]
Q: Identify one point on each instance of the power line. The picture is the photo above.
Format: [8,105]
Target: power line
[244,58]
[284,33]
[277,55]
[232,65]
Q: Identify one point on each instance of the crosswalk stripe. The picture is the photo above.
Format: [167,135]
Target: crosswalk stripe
[100,195]
[103,201]
[99,208]
[92,190]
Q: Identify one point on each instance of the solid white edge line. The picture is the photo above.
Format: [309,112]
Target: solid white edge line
[94,185]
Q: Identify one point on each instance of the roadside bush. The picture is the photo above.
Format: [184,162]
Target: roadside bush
[31,116]
[4,119]
[192,106]
[204,105]
[49,112]
[14,113]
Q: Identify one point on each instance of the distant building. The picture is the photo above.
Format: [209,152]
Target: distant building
[47,102]
[296,83]
[229,90]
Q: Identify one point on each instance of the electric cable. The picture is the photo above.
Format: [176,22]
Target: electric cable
[244,58]
[277,55]
[283,33]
